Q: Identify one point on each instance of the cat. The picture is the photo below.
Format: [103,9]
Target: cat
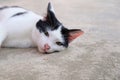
[20,28]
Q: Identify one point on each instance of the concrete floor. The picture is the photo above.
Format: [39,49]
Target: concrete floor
[93,56]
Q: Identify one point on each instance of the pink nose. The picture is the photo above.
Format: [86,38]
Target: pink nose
[46,47]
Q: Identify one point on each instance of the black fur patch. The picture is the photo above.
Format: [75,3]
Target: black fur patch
[18,14]
[15,6]
[65,34]
[4,7]
[43,26]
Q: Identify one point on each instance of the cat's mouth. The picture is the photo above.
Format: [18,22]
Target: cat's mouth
[51,52]
[48,52]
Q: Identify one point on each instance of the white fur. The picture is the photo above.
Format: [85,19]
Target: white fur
[21,31]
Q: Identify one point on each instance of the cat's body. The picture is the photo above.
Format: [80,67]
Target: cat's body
[21,28]
[18,27]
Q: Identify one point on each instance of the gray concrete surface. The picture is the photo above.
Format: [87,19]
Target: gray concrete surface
[94,56]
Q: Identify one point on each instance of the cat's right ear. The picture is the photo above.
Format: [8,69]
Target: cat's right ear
[50,8]
[51,18]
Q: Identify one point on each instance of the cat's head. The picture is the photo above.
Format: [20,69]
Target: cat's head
[52,36]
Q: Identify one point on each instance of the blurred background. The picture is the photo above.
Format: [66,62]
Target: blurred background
[93,56]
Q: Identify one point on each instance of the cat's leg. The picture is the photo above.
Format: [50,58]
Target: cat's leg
[3,35]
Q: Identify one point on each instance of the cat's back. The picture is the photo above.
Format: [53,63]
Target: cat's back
[18,23]
[13,11]
[15,17]
[7,12]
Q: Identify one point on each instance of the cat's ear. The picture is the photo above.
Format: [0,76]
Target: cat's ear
[51,18]
[74,33]
[50,7]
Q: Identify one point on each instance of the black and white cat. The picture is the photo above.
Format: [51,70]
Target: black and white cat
[21,28]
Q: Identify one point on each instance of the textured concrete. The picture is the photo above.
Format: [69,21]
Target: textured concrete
[94,56]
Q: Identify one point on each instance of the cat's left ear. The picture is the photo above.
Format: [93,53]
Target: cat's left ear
[74,33]
[51,18]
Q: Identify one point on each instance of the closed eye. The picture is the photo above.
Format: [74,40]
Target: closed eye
[56,51]
[47,34]
[59,43]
